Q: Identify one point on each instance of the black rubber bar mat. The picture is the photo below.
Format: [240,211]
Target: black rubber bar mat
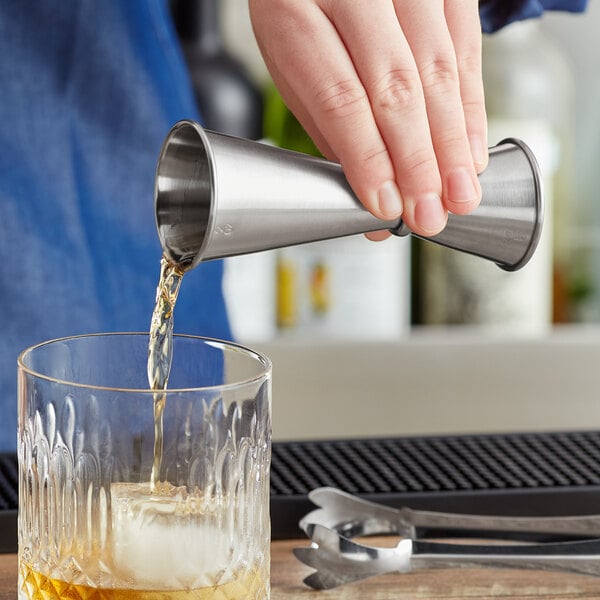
[537,474]
[9,502]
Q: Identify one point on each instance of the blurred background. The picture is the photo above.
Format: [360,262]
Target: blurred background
[442,341]
[542,84]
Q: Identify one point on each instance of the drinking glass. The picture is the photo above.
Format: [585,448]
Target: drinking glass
[94,522]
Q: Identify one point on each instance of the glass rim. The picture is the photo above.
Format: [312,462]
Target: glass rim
[261,358]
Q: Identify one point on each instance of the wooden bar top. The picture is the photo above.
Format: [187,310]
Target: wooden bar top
[464,584]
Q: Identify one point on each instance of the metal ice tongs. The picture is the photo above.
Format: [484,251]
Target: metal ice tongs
[353,517]
[338,559]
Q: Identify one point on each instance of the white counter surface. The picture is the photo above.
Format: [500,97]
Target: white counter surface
[436,381]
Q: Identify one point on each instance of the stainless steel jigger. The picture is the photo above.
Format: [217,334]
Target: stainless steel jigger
[219,196]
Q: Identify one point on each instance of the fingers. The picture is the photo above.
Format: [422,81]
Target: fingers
[378,236]
[431,43]
[464,25]
[387,68]
[390,88]
[312,65]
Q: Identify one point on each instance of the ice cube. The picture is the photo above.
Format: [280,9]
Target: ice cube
[167,539]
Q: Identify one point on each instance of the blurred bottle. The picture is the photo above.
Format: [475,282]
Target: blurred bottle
[348,288]
[229,102]
[228,99]
[528,90]
[287,290]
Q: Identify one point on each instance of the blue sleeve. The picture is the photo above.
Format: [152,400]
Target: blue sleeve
[495,14]
[88,92]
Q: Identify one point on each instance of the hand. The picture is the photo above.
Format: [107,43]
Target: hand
[391,89]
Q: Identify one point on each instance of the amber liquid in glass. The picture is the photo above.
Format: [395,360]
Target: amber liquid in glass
[40,587]
[136,506]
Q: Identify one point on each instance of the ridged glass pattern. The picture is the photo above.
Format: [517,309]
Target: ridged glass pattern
[89,524]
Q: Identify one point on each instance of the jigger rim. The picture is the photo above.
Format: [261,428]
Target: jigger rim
[539,206]
[194,249]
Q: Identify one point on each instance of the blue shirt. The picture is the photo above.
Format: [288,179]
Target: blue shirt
[495,14]
[88,91]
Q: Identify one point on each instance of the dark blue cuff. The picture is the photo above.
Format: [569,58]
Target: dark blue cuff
[498,13]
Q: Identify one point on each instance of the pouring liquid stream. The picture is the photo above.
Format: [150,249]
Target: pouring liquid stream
[160,354]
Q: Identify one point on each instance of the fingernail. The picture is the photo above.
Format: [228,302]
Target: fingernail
[429,214]
[479,152]
[460,186]
[390,202]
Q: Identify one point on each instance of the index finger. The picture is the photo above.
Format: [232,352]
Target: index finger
[313,63]
[387,68]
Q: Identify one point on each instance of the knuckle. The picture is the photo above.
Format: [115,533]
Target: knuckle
[470,64]
[451,140]
[419,161]
[374,155]
[399,89]
[343,98]
[474,110]
[439,73]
